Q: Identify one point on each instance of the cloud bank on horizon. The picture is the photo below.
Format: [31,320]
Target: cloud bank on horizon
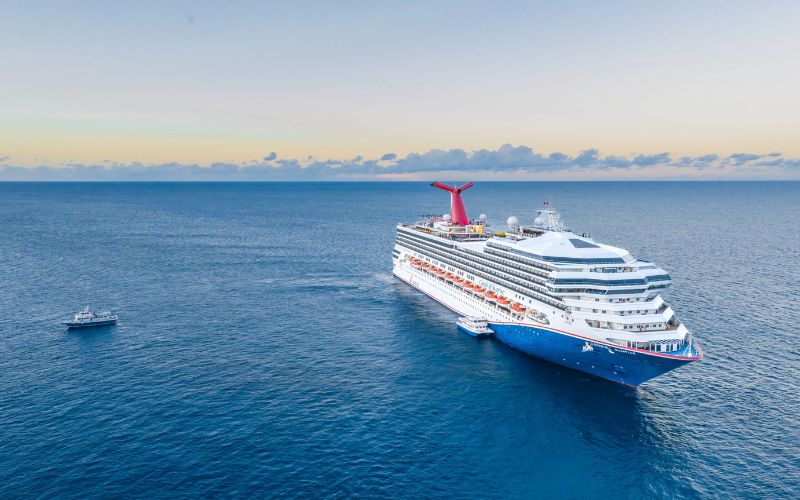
[505,163]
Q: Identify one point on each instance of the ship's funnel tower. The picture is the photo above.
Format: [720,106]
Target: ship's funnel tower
[458,214]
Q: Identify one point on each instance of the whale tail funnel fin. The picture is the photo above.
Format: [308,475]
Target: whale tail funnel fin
[458,214]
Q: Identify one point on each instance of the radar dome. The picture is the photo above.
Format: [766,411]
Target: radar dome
[512,222]
[539,221]
[482,217]
[446,217]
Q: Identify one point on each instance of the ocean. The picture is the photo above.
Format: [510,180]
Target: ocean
[265,350]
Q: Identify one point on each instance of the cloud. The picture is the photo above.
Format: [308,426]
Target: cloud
[4,158]
[505,162]
[587,157]
[742,158]
[650,160]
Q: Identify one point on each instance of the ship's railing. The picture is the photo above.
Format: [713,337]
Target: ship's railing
[502,251]
[491,254]
[666,326]
[454,236]
[485,273]
[662,345]
[474,263]
[502,309]
[508,267]
[602,308]
[613,270]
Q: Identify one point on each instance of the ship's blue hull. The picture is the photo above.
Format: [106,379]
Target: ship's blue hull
[627,366]
[631,367]
[73,326]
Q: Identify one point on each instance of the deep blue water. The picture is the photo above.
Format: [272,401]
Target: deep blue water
[265,349]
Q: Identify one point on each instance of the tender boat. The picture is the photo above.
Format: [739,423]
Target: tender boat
[88,318]
[477,327]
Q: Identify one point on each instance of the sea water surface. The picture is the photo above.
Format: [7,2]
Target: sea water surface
[264,348]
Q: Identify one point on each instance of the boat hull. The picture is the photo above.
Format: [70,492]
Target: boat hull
[471,332]
[74,326]
[626,366]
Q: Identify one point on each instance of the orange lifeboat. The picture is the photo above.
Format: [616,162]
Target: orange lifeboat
[518,308]
[502,300]
[426,265]
[491,295]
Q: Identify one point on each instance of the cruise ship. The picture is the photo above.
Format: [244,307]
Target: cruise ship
[548,292]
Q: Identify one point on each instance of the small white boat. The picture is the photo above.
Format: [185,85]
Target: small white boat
[477,327]
[87,318]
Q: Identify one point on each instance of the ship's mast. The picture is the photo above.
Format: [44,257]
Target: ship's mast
[547,218]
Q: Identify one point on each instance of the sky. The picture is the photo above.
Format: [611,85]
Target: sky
[241,90]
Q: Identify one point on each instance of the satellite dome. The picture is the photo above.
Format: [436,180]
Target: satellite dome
[482,217]
[539,221]
[512,222]
[446,217]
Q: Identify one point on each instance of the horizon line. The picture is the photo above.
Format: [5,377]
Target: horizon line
[369,181]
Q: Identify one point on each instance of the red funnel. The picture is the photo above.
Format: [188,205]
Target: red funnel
[458,214]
